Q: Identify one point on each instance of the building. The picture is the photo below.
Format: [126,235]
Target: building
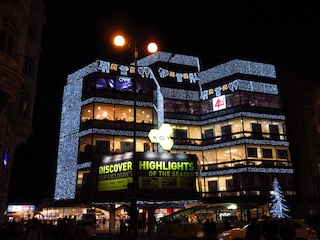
[302,102]
[230,117]
[21,24]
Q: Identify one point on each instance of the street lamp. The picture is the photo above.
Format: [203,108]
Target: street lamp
[152,47]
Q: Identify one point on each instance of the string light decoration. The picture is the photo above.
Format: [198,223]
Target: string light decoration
[278,209]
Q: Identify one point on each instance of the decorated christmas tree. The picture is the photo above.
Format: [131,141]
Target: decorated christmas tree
[278,209]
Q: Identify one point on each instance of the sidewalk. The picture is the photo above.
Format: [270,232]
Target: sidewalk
[113,234]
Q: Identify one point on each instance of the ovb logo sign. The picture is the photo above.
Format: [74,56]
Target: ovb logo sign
[162,136]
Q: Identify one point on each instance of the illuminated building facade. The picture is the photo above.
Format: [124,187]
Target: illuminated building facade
[229,116]
[21,24]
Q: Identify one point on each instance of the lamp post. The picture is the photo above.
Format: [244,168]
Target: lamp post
[152,47]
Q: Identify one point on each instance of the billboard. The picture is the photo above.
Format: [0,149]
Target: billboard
[163,176]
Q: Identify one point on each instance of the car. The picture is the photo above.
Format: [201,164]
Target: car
[303,231]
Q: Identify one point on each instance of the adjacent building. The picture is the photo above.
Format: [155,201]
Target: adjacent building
[21,24]
[227,122]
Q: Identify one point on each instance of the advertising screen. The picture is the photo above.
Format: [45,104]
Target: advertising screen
[124,84]
[114,175]
[158,175]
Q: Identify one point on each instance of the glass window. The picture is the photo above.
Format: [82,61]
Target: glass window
[169,105]
[144,115]
[275,101]
[182,107]
[237,152]
[103,111]
[256,131]
[206,106]
[194,108]
[247,99]
[210,156]
[226,133]
[124,113]
[282,154]
[261,100]
[233,100]
[87,112]
[194,132]
[252,152]
[144,86]
[223,155]
[8,33]
[237,128]
[274,132]
[266,153]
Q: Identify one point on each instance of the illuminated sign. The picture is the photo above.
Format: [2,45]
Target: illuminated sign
[163,175]
[114,175]
[162,136]
[219,103]
[21,208]
[165,171]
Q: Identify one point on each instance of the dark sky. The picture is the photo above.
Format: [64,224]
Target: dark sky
[79,32]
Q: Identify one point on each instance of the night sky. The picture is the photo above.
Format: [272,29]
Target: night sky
[78,33]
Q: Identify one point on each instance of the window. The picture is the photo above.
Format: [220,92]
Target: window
[256,130]
[206,107]
[102,147]
[274,132]
[252,152]
[266,153]
[208,134]
[180,135]
[169,105]
[8,31]
[32,31]
[314,130]
[194,107]
[233,100]
[226,133]
[24,104]
[229,184]
[213,186]
[28,67]
[282,154]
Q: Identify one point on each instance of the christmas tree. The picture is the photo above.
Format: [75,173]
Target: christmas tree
[278,207]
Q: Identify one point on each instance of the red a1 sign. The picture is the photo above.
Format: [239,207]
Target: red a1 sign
[219,103]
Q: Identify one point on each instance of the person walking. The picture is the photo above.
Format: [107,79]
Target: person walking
[226,225]
[213,229]
[270,230]
[207,230]
[34,230]
[104,220]
[123,230]
[253,230]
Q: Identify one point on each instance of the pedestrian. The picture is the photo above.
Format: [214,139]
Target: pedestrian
[104,222]
[34,230]
[123,230]
[207,230]
[270,229]
[226,225]
[286,230]
[213,229]
[253,230]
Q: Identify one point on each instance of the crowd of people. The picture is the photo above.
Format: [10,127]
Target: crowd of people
[66,228]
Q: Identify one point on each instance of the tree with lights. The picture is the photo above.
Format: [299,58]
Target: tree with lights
[278,207]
